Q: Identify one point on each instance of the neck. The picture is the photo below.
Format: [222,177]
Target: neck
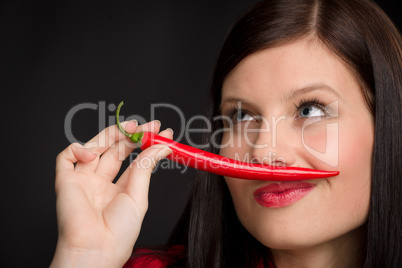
[344,251]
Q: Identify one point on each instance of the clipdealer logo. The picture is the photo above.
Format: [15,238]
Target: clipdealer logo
[329,154]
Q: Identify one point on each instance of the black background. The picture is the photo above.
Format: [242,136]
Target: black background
[56,55]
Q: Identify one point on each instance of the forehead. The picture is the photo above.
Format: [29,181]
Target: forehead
[275,72]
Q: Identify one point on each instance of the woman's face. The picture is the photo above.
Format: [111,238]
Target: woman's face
[300,107]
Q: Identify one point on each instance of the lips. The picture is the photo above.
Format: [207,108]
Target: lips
[282,194]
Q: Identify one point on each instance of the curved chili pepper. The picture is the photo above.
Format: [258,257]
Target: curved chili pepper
[210,162]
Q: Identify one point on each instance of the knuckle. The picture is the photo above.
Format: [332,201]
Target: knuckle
[59,157]
[62,154]
[68,150]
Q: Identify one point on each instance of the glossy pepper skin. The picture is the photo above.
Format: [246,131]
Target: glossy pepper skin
[210,162]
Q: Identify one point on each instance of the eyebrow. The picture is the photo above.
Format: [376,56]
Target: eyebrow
[304,90]
[291,96]
[232,100]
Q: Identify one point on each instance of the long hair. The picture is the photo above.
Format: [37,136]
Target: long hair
[363,37]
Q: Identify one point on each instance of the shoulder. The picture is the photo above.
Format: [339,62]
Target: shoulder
[156,258]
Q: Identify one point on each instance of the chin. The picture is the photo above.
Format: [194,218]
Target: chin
[288,241]
[288,244]
[290,236]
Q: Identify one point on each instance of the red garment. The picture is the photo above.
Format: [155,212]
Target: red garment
[151,259]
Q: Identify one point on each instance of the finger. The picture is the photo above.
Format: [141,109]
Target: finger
[123,180]
[108,138]
[153,126]
[72,154]
[140,173]
[111,161]
[101,142]
[110,135]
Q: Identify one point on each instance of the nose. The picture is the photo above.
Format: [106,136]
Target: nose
[275,145]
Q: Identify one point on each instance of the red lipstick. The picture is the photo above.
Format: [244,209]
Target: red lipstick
[282,194]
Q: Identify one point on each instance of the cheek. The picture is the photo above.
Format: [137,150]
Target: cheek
[320,144]
[355,160]
[315,137]
[356,148]
[351,189]
[356,141]
[233,145]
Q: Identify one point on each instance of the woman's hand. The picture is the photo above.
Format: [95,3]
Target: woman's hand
[98,220]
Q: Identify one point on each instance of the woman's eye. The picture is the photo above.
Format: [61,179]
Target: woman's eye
[311,111]
[242,116]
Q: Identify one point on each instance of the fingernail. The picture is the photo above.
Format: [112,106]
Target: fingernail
[171,130]
[159,122]
[135,121]
[129,127]
[162,153]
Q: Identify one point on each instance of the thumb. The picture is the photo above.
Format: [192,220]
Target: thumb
[140,173]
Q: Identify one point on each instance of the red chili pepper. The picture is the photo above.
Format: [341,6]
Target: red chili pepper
[210,162]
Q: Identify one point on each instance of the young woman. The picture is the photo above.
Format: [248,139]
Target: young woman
[315,84]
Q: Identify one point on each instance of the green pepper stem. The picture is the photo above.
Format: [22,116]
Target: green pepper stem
[134,137]
[137,137]
[118,121]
